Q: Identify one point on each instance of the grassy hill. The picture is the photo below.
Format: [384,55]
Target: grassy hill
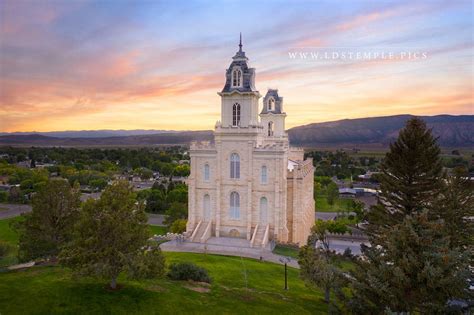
[239,286]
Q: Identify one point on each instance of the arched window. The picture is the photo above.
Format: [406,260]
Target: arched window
[206,205]
[236,78]
[263,175]
[234,205]
[234,166]
[270,128]
[236,114]
[271,104]
[206,172]
[263,210]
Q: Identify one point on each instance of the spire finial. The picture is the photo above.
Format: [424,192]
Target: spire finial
[240,43]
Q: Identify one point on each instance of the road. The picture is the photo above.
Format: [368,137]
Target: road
[14,210]
[340,246]
[326,215]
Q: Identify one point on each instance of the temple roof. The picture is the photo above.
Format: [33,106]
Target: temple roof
[248,74]
[278,108]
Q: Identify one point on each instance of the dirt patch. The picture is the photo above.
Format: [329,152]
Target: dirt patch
[197,289]
[117,288]
[201,284]
[155,288]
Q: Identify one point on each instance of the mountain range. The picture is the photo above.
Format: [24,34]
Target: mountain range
[452,131]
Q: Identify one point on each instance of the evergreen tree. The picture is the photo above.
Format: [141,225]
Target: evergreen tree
[110,237]
[411,265]
[55,208]
[411,176]
[455,206]
[415,271]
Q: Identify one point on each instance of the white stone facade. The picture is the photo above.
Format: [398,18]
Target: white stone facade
[249,183]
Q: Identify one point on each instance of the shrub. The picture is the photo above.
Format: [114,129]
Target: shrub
[178,226]
[347,253]
[5,249]
[148,264]
[188,271]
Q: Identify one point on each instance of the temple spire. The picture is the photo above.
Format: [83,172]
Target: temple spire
[240,42]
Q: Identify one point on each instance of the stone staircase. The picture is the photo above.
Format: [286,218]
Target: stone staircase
[201,229]
[259,236]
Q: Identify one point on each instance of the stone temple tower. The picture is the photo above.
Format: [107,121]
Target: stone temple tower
[249,186]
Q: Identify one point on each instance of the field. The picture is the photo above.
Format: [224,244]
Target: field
[158,230]
[340,205]
[239,286]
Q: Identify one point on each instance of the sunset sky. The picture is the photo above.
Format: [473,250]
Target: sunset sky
[82,65]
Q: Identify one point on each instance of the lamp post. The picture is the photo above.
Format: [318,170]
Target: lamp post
[285,260]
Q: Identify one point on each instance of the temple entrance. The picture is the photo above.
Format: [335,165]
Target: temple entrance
[263,211]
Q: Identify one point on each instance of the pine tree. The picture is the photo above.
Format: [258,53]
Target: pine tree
[110,237]
[415,271]
[411,265]
[410,179]
[455,206]
[55,208]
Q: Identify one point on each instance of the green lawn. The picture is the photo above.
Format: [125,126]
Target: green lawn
[240,286]
[158,230]
[340,204]
[9,236]
[289,251]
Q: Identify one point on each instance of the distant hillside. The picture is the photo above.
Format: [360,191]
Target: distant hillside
[92,133]
[453,131]
[176,137]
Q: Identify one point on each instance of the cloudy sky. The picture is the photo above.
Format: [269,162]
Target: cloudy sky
[75,65]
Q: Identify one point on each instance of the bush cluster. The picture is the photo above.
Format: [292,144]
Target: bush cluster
[188,271]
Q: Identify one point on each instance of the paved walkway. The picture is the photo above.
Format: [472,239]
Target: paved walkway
[226,246]
[8,210]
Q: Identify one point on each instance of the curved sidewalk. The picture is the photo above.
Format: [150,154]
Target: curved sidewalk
[227,250]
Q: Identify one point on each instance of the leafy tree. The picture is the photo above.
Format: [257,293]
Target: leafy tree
[15,195]
[5,249]
[144,173]
[182,170]
[110,235]
[166,169]
[98,184]
[156,201]
[318,271]
[178,194]
[178,226]
[55,208]
[320,230]
[3,196]
[149,263]
[411,265]
[332,193]
[176,211]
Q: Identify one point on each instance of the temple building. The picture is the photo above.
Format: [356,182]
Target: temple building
[249,183]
